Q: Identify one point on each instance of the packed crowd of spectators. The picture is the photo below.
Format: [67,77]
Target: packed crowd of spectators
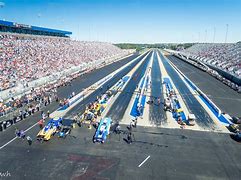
[195,62]
[24,58]
[29,103]
[37,98]
[224,56]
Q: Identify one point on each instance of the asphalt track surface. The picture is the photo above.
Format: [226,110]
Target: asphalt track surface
[88,79]
[174,154]
[225,98]
[119,107]
[78,85]
[80,108]
[202,117]
[157,113]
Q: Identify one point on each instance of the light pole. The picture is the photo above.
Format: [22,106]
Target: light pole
[198,37]
[89,32]
[226,36]
[205,38]
[214,34]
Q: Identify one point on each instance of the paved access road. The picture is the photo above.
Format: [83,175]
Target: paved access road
[225,98]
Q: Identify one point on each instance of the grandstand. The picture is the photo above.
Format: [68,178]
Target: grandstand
[32,57]
[27,58]
[29,53]
[8,26]
[224,56]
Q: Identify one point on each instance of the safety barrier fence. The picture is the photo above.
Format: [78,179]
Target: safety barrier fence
[15,118]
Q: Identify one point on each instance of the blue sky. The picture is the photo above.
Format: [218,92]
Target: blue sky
[138,21]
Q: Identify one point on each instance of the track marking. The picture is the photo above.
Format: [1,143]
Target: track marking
[8,142]
[144,161]
[106,79]
[16,137]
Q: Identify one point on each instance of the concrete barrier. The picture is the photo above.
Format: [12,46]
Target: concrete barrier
[225,74]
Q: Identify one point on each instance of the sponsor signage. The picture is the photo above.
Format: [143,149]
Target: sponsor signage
[21,25]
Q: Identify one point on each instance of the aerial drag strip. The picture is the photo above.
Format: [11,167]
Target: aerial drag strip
[203,119]
[135,99]
[8,136]
[105,86]
[154,140]
[120,105]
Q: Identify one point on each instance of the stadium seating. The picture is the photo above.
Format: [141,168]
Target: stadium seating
[24,58]
[225,56]
[28,103]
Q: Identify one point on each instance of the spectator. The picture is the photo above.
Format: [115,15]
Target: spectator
[224,56]
[29,140]
[26,58]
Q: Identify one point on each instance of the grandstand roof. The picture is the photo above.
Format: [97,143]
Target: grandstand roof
[16,26]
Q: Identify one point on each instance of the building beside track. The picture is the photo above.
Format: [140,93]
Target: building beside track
[13,27]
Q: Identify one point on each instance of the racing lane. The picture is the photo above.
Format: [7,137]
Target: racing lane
[90,78]
[224,97]
[173,155]
[80,108]
[157,114]
[78,84]
[202,117]
[120,105]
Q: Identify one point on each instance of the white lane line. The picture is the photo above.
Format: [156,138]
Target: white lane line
[115,72]
[144,161]
[16,137]
[8,143]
